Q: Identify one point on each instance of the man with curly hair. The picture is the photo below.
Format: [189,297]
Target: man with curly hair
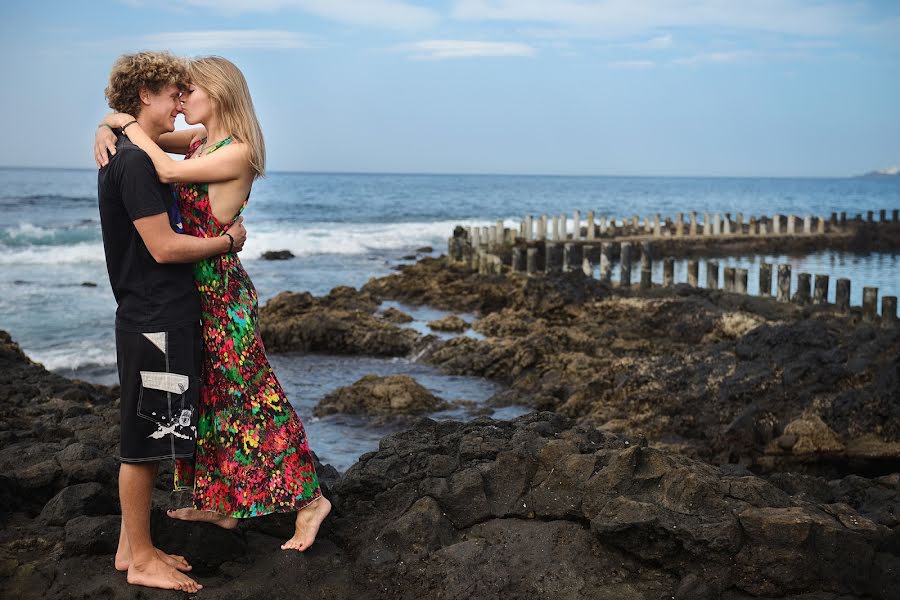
[158,346]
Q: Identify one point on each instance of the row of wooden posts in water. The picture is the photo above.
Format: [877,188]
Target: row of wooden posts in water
[551,254]
[556,227]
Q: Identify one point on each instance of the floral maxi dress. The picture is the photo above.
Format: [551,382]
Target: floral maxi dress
[252,454]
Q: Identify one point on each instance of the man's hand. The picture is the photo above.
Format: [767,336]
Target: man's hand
[239,233]
[104,141]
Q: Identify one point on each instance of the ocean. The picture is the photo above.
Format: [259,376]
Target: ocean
[346,228]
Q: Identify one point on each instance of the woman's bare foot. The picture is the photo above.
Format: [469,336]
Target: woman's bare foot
[307,525]
[123,560]
[157,574]
[205,516]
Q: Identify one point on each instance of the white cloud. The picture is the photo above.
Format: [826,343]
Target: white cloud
[658,43]
[714,58]
[228,39]
[617,18]
[632,64]
[391,14]
[450,49]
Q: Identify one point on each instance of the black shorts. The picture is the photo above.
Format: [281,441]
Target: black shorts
[159,374]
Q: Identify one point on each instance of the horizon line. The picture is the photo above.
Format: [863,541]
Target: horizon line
[873,174]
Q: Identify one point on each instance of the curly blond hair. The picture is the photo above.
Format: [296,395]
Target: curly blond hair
[151,70]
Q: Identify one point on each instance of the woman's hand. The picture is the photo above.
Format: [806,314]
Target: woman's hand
[239,234]
[104,146]
[117,120]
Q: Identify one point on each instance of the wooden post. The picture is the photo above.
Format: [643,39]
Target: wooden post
[542,229]
[728,276]
[634,224]
[765,279]
[529,228]
[625,265]
[882,215]
[739,224]
[606,262]
[707,224]
[752,228]
[693,273]
[802,294]
[668,271]
[571,256]
[500,233]
[895,215]
[716,224]
[790,224]
[740,281]
[807,224]
[603,225]
[587,260]
[820,229]
[679,225]
[657,228]
[820,291]
[843,218]
[646,265]
[870,301]
[869,218]
[553,257]
[518,259]
[531,261]
[693,228]
[563,227]
[776,225]
[784,283]
[842,294]
[576,225]
[591,234]
[889,310]
[726,225]
[555,228]
[712,275]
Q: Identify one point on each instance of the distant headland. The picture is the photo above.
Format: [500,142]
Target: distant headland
[888,172]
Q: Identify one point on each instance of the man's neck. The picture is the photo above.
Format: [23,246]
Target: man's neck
[149,128]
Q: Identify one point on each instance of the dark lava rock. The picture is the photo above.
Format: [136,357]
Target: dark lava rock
[425,249]
[340,323]
[396,316]
[75,500]
[375,395]
[451,323]
[88,536]
[277,255]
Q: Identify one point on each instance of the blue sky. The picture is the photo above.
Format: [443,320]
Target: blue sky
[619,87]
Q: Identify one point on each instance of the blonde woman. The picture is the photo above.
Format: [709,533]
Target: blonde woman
[252,454]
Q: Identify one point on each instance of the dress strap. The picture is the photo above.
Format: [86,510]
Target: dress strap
[219,145]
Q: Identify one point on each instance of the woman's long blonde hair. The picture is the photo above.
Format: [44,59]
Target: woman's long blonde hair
[228,90]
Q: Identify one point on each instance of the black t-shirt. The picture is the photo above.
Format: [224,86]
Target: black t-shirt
[151,296]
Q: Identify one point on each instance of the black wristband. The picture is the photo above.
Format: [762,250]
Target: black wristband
[230,242]
[127,124]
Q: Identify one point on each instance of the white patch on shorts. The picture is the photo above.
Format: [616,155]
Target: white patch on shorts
[157,339]
[167,382]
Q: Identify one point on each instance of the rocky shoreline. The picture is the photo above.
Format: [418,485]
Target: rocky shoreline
[687,443]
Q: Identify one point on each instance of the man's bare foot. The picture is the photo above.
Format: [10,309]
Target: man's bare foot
[157,574]
[123,560]
[205,516]
[307,525]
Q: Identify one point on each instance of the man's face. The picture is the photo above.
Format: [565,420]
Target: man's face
[161,109]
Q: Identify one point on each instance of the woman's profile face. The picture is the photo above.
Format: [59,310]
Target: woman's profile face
[196,104]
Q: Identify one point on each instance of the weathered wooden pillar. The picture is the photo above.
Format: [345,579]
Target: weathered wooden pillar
[693,273]
[606,262]
[529,228]
[895,215]
[870,302]
[712,275]
[668,271]
[842,294]
[728,277]
[889,310]
[820,226]
[679,225]
[500,233]
[843,218]
[576,225]
[625,265]
[571,256]
[518,259]
[752,228]
[882,215]
[542,229]
[739,224]
[587,260]
[807,225]
[646,265]
[553,257]
[591,232]
[820,289]
[790,225]
[603,225]
[531,261]
[563,227]
[555,228]
[740,281]
[870,216]
[802,294]
[765,279]
[693,227]
[716,224]
[707,224]
[784,283]
[726,225]
[657,227]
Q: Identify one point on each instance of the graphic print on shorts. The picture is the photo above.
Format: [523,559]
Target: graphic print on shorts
[162,401]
